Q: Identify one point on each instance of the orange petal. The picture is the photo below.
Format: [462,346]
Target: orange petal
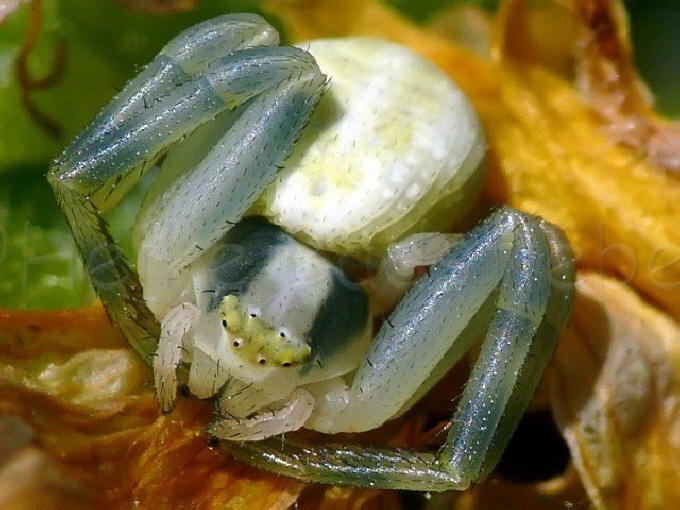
[86,402]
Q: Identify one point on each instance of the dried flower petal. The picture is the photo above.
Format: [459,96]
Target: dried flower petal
[86,403]
[595,53]
[616,396]
[557,157]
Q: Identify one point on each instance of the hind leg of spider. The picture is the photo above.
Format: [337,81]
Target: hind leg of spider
[510,282]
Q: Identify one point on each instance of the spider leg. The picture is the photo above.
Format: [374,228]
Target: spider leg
[176,323]
[396,272]
[187,55]
[290,416]
[531,296]
[534,304]
[277,87]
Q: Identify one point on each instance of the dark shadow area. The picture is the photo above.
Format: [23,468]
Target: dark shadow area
[537,452]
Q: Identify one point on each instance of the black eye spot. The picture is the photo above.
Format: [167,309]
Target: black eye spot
[253,315]
[236,343]
[262,361]
[282,334]
[286,364]
[224,323]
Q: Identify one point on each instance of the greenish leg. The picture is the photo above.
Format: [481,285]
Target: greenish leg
[187,55]
[93,174]
[532,305]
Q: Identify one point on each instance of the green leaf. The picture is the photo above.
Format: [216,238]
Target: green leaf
[40,265]
[102,46]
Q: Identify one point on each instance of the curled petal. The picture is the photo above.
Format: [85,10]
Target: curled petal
[616,396]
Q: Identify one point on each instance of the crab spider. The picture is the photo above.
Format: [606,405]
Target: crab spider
[252,313]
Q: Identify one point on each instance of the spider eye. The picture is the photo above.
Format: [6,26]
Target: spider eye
[236,343]
[285,364]
[253,315]
[224,323]
[262,361]
[282,334]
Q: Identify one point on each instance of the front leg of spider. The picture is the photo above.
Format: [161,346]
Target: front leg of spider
[231,63]
[509,283]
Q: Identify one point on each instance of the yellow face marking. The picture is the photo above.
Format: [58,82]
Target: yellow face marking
[258,343]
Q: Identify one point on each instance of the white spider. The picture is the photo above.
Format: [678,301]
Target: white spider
[276,330]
